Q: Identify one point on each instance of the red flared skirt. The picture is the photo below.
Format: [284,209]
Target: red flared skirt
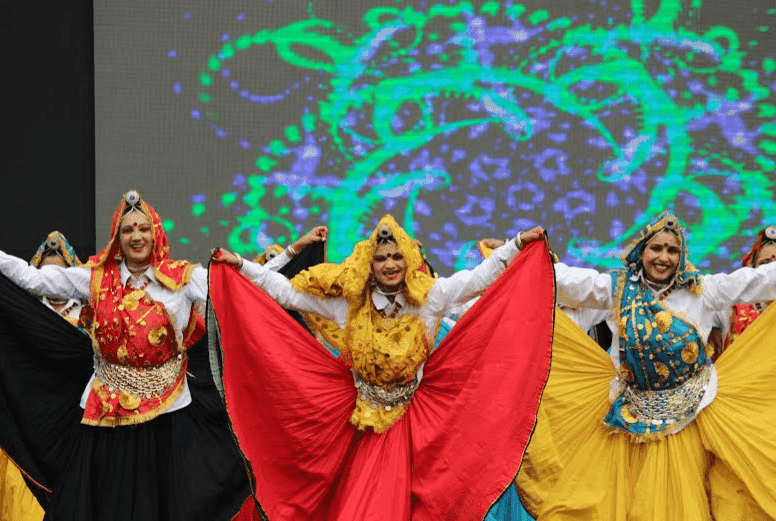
[456,449]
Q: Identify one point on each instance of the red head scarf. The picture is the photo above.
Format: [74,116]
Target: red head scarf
[171,274]
[765,236]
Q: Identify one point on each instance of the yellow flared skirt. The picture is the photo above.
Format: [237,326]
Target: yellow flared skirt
[16,501]
[722,466]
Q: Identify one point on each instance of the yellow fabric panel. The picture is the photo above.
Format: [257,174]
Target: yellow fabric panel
[730,499]
[740,424]
[16,501]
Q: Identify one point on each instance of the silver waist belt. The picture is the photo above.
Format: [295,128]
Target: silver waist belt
[148,382]
[387,396]
[669,405]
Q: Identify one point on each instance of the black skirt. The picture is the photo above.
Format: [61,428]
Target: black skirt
[183,465]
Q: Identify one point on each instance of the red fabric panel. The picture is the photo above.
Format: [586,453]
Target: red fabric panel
[375,485]
[289,400]
[475,408]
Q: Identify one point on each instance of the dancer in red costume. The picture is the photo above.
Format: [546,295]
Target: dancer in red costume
[390,430]
[763,251]
[147,442]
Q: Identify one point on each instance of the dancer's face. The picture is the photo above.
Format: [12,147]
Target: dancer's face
[389,266]
[661,257]
[766,255]
[136,238]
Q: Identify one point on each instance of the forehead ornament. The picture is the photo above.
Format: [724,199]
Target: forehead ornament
[384,235]
[770,233]
[132,198]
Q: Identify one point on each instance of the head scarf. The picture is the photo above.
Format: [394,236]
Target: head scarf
[686,274]
[765,236]
[55,242]
[171,274]
[350,279]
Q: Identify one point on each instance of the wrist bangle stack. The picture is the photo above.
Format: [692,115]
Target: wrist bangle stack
[239,260]
[291,251]
[519,241]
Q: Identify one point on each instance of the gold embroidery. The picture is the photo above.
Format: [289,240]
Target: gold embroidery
[648,325]
[623,324]
[661,370]
[628,415]
[132,300]
[122,353]
[626,373]
[129,401]
[690,353]
[663,319]
[157,336]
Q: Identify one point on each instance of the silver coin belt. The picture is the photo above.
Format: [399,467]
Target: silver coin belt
[667,406]
[387,396]
[148,382]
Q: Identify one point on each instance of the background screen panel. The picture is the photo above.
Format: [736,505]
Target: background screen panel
[247,123]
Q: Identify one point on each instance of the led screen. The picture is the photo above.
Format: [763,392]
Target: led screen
[247,123]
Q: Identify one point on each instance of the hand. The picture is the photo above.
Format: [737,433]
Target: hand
[223,256]
[492,243]
[317,234]
[534,234]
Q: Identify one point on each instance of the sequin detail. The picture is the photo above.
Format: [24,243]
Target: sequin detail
[148,382]
[385,396]
[668,406]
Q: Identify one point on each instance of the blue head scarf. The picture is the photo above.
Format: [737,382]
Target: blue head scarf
[55,242]
[686,274]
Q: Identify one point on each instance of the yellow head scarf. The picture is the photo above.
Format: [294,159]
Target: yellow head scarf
[350,279]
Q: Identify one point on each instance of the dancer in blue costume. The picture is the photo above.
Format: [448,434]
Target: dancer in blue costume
[630,436]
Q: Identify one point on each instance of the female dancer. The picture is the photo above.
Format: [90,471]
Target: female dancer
[171,455]
[17,501]
[57,251]
[388,430]
[763,251]
[641,449]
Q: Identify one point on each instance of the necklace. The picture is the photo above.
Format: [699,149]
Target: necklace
[138,270]
[661,290]
[381,291]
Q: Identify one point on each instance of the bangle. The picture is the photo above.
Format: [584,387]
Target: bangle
[519,241]
[239,260]
[291,251]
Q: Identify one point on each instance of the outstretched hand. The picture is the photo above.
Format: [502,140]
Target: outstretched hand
[534,234]
[492,243]
[317,234]
[223,256]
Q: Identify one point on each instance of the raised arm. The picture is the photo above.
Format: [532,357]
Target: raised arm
[280,289]
[461,287]
[743,286]
[48,281]
[317,234]
[583,288]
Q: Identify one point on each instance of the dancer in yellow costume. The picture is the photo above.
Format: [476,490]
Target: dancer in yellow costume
[632,435]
